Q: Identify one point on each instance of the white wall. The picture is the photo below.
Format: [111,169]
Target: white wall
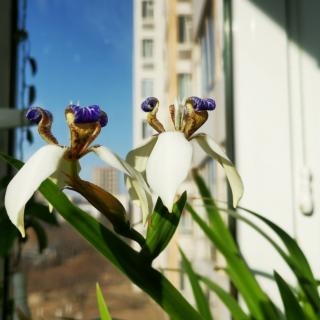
[276,82]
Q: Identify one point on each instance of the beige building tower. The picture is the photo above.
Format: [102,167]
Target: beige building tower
[107,178]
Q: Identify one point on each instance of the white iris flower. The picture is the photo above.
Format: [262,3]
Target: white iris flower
[59,162]
[165,160]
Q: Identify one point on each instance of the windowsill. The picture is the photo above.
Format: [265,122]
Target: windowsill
[148,24]
[185,45]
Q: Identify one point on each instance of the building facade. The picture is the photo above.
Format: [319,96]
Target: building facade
[107,178]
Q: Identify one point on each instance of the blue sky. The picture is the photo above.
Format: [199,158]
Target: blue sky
[84,53]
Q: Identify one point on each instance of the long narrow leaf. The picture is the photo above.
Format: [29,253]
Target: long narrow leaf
[296,261]
[214,217]
[103,309]
[162,227]
[231,303]
[257,301]
[292,308]
[9,233]
[40,234]
[306,280]
[202,302]
[117,252]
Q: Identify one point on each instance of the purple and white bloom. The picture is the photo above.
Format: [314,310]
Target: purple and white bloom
[61,163]
[165,159]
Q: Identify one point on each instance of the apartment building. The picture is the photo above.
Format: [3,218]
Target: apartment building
[107,178]
[148,61]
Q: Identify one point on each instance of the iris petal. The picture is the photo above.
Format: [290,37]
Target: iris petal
[136,178]
[138,159]
[168,165]
[215,151]
[28,179]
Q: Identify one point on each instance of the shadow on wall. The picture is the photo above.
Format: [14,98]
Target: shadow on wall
[300,18]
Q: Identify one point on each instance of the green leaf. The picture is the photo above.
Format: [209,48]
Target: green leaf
[162,227]
[120,254]
[103,309]
[296,261]
[231,303]
[4,181]
[257,301]
[292,307]
[9,233]
[40,233]
[214,217]
[41,212]
[109,206]
[202,302]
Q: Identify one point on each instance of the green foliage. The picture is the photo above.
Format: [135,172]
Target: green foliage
[9,233]
[40,234]
[292,307]
[297,261]
[119,253]
[34,213]
[41,212]
[230,302]
[103,309]
[161,228]
[202,302]
[300,303]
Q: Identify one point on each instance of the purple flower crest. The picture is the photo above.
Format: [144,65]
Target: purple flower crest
[149,104]
[34,114]
[89,114]
[202,104]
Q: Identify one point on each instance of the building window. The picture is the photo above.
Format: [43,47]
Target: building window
[184,85]
[184,29]
[147,9]
[147,48]
[146,88]
[207,54]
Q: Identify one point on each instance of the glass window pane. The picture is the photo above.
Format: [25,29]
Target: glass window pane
[184,85]
[147,48]
[184,29]
[146,88]
[207,52]
[147,9]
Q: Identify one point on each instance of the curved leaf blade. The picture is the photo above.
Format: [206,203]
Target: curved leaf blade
[296,261]
[121,255]
[231,303]
[103,309]
[202,302]
[162,227]
[214,217]
[40,234]
[292,307]
[257,301]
